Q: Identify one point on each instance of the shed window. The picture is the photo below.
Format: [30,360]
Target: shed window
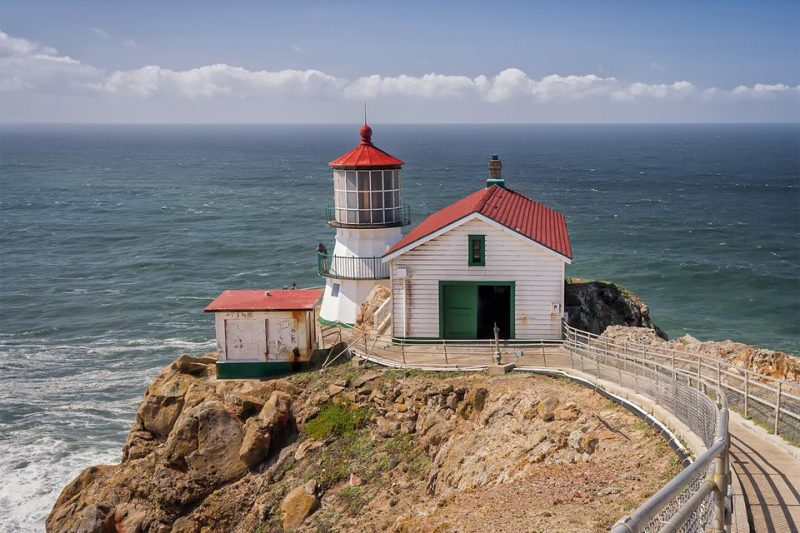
[477,250]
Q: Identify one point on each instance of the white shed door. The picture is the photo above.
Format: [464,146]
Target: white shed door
[282,337]
[245,339]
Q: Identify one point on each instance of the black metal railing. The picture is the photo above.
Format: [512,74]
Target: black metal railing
[340,267]
[385,216]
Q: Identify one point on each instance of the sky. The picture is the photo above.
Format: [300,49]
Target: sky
[411,62]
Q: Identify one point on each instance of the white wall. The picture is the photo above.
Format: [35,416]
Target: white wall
[271,336]
[539,277]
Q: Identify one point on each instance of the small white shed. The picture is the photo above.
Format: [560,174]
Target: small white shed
[264,332]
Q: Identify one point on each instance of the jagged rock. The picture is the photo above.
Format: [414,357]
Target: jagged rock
[366,313]
[255,444]
[186,364]
[305,447]
[138,444]
[569,412]
[334,389]
[387,428]
[297,506]
[546,409]
[363,379]
[595,305]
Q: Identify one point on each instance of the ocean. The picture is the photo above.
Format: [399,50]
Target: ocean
[114,238]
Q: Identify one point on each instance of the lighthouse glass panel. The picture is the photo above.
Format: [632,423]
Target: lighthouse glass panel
[367,196]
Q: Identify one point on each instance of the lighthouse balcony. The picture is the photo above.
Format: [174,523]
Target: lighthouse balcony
[384,217]
[340,267]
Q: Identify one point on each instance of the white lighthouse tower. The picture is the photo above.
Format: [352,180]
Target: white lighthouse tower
[367,215]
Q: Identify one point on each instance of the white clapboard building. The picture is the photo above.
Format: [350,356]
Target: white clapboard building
[493,257]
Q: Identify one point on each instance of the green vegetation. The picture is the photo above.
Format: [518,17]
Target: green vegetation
[403,448]
[353,498]
[326,520]
[336,419]
[350,454]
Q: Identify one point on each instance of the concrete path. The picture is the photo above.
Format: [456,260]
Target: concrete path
[770,480]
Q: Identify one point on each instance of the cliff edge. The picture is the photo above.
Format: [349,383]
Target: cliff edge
[366,449]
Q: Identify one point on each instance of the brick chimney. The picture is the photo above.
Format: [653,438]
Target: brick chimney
[495,166]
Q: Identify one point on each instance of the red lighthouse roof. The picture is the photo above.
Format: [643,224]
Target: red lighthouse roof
[366,155]
[516,212]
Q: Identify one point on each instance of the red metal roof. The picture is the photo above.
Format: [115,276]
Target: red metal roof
[266,300]
[513,210]
[366,155]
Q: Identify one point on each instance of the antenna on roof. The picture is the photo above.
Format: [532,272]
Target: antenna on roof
[365,111]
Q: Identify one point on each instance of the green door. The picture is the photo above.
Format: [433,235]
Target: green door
[460,304]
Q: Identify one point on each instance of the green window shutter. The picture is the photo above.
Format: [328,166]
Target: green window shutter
[477,250]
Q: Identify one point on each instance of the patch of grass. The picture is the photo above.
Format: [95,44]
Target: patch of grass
[353,498]
[336,419]
[403,448]
[326,520]
[353,453]
[395,374]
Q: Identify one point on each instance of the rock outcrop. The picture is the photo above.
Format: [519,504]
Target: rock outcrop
[595,305]
[366,450]
[366,313]
[764,361]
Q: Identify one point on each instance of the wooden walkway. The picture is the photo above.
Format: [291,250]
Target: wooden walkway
[769,477]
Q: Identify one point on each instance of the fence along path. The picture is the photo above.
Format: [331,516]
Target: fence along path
[687,385]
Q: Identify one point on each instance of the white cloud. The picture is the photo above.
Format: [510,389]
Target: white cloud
[680,90]
[217,80]
[101,33]
[761,90]
[130,43]
[26,66]
[426,86]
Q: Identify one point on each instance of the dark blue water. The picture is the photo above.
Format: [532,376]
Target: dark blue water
[115,237]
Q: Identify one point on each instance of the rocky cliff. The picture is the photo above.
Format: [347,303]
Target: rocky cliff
[595,305]
[358,449]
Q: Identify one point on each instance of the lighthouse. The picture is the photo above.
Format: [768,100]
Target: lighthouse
[368,215]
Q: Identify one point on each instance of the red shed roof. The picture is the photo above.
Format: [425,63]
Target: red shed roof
[266,300]
[509,208]
[366,155]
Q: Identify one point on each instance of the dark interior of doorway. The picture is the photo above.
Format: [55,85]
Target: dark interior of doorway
[494,306]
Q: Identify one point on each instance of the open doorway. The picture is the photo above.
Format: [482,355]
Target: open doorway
[494,306]
[470,309]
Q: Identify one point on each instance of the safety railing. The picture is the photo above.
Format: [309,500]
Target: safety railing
[695,500]
[770,402]
[341,267]
[397,215]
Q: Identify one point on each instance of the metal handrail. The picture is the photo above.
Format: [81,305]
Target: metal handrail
[779,399]
[342,267]
[399,215]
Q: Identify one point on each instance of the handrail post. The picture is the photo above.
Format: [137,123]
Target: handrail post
[699,373]
[444,345]
[544,356]
[719,378]
[720,491]
[674,373]
[746,392]
[403,349]
[778,407]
